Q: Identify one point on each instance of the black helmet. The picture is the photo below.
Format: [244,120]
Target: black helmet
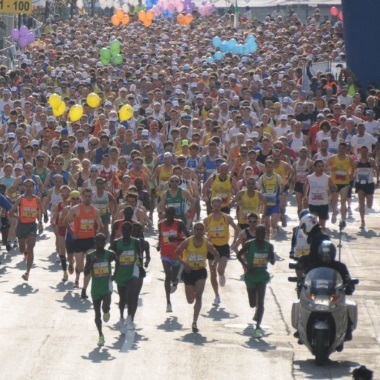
[327,249]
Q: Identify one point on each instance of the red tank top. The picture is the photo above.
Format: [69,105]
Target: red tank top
[84,223]
[170,238]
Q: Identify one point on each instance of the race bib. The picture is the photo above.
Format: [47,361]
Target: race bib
[29,212]
[100,269]
[127,257]
[341,176]
[87,224]
[195,261]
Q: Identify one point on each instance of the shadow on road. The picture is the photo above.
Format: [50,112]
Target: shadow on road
[331,370]
[171,324]
[218,314]
[129,341]
[23,290]
[98,355]
[195,338]
[72,301]
[258,344]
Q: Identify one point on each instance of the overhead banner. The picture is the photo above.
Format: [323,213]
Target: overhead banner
[361,33]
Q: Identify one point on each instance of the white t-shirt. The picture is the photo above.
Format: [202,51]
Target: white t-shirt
[366,140]
[372,127]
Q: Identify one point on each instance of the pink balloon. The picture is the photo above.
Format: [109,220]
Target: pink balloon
[23,42]
[24,30]
[30,37]
[180,7]
[15,34]
[340,16]
[171,7]
[334,11]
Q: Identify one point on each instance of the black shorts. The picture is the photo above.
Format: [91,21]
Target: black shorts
[298,187]
[4,223]
[226,210]
[367,188]
[193,276]
[24,230]
[70,246]
[223,250]
[340,187]
[84,245]
[322,211]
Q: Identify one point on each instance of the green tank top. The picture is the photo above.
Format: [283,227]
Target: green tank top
[258,256]
[127,254]
[101,275]
[178,203]
[42,175]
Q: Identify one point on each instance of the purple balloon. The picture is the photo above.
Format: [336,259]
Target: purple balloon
[23,42]
[30,37]
[15,34]
[192,5]
[24,30]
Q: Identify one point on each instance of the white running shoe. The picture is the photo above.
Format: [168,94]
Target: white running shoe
[129,323]
[169,308]
[216,301]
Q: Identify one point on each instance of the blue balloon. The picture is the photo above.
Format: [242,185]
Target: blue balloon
[210,60]
[250,39]
[216,41]
[218,56]
[231,43]
[223,46]
[149,4]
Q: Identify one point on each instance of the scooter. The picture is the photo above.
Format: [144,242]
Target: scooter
[322,314]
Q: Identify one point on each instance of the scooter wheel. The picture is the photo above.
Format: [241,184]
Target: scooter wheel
[320,351]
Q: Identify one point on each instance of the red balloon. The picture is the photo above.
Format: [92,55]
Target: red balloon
[334,11]
[340,16]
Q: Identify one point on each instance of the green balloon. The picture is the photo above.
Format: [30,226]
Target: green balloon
[117,59]
[115,45]
[105,53]
[104,61]
[114,53]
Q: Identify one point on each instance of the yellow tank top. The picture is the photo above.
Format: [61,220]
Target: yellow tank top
[249,204]
[222,189]
[341,170]
[163,176]
[218,231]
[281,171]
[195,257]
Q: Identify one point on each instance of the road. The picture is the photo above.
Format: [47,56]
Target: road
[48,332]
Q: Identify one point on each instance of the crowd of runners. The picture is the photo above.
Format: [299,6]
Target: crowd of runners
[231,139]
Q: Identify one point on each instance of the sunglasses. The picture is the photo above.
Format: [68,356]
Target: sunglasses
[174,181]
[58,163]
[252,221]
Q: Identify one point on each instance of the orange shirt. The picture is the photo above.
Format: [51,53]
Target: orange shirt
[84,223]
[28,210]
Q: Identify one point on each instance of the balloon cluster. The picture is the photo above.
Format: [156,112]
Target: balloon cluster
[146,17]
[150,4]
[23,36]
[111,54]
[334,11]
[185,20]
[75,113]
[233,47]
[120,18]
[206,8]
[58,105]
[168,7]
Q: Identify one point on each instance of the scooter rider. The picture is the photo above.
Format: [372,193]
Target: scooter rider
[299,244]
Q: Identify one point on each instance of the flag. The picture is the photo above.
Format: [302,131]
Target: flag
[236,18]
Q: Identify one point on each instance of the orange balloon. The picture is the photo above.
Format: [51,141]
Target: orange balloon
[119,13]
[115,20]
[188,19]
[150,15]
[125,20]
[142,16]
[147,23]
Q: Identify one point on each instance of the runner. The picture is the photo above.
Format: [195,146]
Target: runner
[257,253]
[98,267]
[217,227]
[85,218]
[126,274]
[171,232]
[247,233]
[29,209]
[192,253]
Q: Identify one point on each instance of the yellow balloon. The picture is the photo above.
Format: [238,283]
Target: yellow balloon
[55,100]
[125,112]
[93,100]
[76,112]
[60,110]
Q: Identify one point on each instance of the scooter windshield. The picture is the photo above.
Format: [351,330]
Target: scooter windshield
[323,281]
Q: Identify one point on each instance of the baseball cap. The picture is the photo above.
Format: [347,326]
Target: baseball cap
[11,135]
[185,142]
[320,116]
[50,118]
[167,154]
[64,131]
[34,142]
[187,107]
[283,117]
[58,129]
[255,135]
[18,166]
[145,132]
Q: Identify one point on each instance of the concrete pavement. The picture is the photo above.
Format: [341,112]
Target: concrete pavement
[48,332]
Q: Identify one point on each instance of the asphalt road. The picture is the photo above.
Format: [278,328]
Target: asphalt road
[48,332]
